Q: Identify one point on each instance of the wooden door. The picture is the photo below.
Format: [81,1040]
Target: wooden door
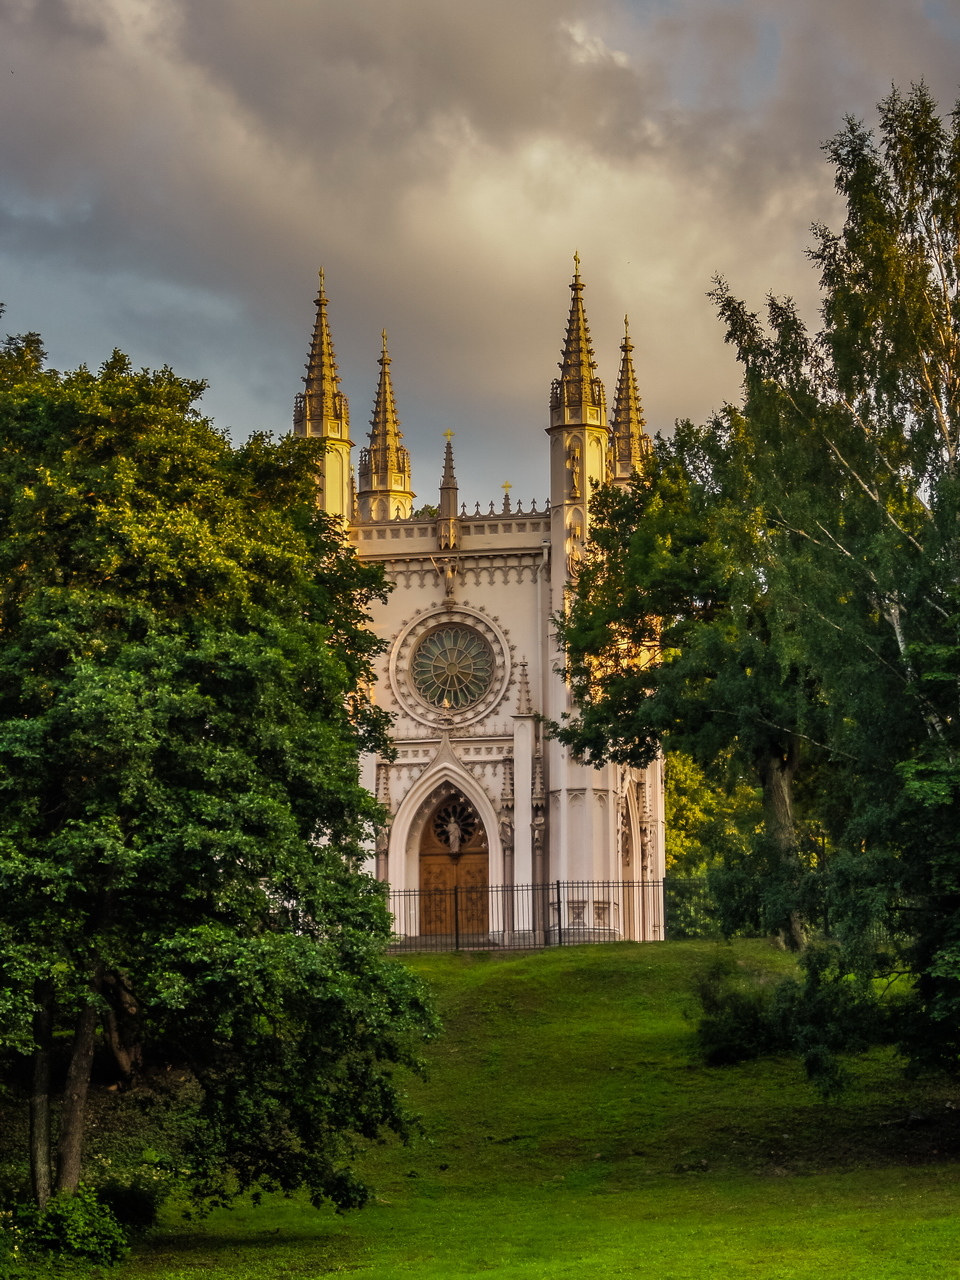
[454,870]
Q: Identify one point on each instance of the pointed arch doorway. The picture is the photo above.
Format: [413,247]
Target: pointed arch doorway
[454,869]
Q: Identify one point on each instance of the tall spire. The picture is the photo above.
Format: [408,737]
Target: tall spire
[629,444]
[322,404]
[385,434]
[321,410]
[579,443]
[448,529]
[384,491]
[577,395]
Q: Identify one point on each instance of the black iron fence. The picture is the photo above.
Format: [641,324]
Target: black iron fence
[481,917]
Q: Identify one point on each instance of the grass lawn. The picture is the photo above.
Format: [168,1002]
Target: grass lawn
[571,1132]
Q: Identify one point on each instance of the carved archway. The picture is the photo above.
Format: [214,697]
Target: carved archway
[454,868]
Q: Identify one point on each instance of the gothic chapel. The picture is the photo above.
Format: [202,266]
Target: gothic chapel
[479,798]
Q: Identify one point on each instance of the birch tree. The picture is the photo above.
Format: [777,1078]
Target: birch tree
[854,431]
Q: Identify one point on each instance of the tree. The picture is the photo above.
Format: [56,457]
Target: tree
[855,434]
[668,645]
[843,465]
[705,824]
[183,663]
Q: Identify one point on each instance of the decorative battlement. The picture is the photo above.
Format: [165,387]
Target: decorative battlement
[495,531]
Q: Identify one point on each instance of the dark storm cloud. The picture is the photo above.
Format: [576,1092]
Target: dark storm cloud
[172,173]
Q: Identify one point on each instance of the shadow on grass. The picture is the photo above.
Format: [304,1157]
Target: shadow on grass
[169,1242]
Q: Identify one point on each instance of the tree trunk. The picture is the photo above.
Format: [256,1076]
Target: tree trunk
[120,1026]
[777,772]
[40,1094]
[74,1113]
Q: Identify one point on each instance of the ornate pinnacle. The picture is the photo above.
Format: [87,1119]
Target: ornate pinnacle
[323,401]
[385,433]
[506,791]
[630,444]
[448,532]
[384,464]
[578,385]
[537,790]
[524,706]
[448,479]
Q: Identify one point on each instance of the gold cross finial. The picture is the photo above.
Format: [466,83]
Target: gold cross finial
[506,486]
[383,339]
[576,260]
[448,435]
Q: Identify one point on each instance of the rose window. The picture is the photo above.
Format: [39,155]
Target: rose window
[452,667]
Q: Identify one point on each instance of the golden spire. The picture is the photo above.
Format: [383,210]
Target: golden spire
[578,388]
[385,433]
[630,444]
[385,464]
[322,403]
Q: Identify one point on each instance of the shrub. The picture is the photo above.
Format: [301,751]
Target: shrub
[736,1025]
[135,1203]
[77,1227]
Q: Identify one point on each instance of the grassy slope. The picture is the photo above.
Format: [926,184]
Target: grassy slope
[570,1132]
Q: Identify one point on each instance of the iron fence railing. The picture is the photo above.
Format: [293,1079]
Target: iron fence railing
[481,917]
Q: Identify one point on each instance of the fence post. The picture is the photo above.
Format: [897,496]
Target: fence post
[456,917]
[559,918]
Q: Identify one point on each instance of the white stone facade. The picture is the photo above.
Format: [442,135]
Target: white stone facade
[477,793]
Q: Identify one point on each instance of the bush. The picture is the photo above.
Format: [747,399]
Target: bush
[737,1024]
[76,1227]
[135,1203]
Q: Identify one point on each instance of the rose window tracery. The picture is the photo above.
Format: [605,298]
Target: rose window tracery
[452,667]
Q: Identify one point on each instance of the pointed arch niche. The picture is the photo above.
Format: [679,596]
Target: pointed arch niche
[446,781]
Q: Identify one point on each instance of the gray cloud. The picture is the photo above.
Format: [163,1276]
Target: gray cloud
[171,174]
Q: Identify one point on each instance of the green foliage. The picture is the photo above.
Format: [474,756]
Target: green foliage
[135,1200]
[183,663]
[793,569]
[705,824]
[819,1016]
[854,434]
[670,644]
[736,1025]
[571,1130]
[77,1226]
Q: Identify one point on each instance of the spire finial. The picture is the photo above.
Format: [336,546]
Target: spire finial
[448,435]
[576,263]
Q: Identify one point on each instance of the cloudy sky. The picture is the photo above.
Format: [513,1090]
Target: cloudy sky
[173,172]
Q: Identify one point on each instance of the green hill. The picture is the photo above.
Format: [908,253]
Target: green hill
[570,1131]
